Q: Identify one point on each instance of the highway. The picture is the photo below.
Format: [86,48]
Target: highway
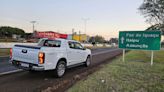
[45,81]
[5,65]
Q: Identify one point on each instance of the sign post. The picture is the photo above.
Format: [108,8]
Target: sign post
[123,57]
[152,56]
[140,40]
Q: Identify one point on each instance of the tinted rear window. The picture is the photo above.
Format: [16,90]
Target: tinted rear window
[50,43]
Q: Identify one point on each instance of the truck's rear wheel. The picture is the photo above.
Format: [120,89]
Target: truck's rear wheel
[88,61]
[60,69]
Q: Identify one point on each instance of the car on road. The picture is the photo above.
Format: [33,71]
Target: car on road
[50,54]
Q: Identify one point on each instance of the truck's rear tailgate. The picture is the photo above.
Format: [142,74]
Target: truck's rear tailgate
[27,54]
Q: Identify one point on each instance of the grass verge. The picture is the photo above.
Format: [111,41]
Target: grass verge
[8,40]
[4,52]
[95,47]
[134,75]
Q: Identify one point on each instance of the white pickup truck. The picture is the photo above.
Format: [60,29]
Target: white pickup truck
[56,54]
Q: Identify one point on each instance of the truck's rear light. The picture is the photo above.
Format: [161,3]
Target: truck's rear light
[41,57]
[11,53]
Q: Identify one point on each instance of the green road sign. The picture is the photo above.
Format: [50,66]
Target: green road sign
[141,40]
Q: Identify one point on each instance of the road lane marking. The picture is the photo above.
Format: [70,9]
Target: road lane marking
[102,52]
[9,72]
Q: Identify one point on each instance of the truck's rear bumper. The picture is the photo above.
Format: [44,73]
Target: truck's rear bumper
[29,66]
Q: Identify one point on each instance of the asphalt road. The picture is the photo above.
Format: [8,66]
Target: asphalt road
[36,82]
[5,65]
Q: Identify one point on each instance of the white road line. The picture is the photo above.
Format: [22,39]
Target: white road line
[9,72]
[102,52]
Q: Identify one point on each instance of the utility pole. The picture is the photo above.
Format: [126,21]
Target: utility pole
[73,31]
[85,24]
[33,25]
[79,36]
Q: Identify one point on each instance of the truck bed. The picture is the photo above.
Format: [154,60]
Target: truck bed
[27,46]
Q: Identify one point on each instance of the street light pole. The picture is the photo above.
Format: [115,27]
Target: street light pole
[73,31]
[33,25]
[85,24]
[79,36]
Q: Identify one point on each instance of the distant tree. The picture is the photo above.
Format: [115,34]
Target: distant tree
[113,40]
[153,11]
[28,35]
[156,27]
[6,31]
[91,39]
[97,38]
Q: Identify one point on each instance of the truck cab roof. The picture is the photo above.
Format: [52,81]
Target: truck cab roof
[59,39]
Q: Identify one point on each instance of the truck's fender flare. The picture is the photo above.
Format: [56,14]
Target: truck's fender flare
[61,59]
[89,55]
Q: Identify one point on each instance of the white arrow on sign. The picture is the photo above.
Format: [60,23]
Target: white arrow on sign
[122,40]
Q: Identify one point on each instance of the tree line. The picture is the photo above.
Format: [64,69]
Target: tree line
[6,31]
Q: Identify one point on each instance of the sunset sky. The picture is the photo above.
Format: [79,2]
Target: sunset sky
[106,17]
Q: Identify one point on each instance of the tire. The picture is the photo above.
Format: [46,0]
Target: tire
[88,61]
[60,69]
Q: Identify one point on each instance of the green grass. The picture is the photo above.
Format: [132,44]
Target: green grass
[134,75]
[8,40]
[4,52]
[95,47]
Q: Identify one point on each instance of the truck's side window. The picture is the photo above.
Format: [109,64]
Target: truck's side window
[78,45]
[75,45]
[52,43]
[71,44]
